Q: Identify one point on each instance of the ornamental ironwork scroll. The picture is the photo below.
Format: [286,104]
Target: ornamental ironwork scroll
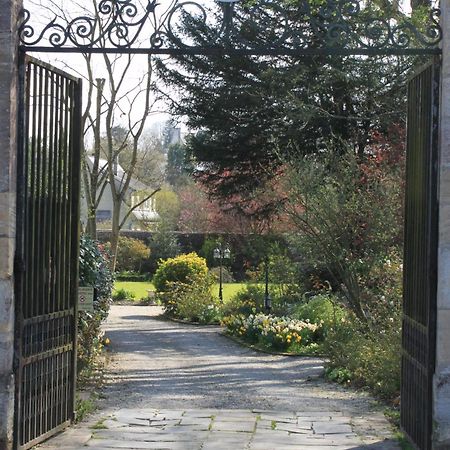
[248,27]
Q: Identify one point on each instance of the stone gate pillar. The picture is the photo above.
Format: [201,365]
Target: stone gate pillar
[442,377]
[8,146]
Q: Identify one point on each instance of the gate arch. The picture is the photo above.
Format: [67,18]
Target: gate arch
[334,27]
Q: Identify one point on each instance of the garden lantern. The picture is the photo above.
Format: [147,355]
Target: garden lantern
[220,253]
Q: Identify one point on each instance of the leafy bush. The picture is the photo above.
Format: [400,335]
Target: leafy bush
[282,270]
[131,254]
[123,294]
[369,358]
[321,309]
[95,272]
[279,333]
[192,300]
[249,300]
[180,269]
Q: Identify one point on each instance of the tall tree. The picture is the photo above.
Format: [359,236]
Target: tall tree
[249,111]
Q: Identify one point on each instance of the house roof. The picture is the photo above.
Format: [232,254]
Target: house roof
[121,176]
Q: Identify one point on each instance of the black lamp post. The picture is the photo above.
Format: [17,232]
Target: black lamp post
[221,253]
[267,299]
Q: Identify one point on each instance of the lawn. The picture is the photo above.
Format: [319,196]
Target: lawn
[140,288]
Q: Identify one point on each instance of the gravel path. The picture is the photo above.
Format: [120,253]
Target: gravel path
[162,372]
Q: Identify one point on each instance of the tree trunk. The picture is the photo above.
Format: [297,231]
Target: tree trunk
[91,225]
[115,230]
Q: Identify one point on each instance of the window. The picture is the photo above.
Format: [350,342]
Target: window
[102,215]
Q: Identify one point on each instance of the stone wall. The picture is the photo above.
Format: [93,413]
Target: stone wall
[8,122]
[442,376]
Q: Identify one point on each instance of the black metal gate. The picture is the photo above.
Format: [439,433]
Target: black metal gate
[47,250]
[420,271]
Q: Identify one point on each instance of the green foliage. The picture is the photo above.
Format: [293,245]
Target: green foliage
[249,300]
[163,245]
[131,254]
[168,208]
[179,167]
[84,407]
[94,267]
[404,442]
[179,270]
[370,358]
[339,374]
[321,309]
[122,294]
[282,268]
[192,300]
[271,111]
[282,275]
[131,276]
[207,250]
[94,271]
[347,214]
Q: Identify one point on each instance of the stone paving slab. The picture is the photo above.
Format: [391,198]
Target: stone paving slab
[218,430]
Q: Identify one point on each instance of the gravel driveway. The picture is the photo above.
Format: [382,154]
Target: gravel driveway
[167,364]
[183,370]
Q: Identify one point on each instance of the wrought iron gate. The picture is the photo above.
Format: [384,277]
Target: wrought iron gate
[420,271]
[47,250]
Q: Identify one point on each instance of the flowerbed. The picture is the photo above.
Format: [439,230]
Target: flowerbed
[278,333]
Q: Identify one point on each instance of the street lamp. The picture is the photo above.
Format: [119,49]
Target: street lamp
[267,299]
[221,253]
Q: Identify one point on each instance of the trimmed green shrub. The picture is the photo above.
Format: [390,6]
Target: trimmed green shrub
[179,270]
[192,301]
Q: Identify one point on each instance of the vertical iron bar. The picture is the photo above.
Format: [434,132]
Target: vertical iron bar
[59,238]
[31,178]
[66,243]
[76,140]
